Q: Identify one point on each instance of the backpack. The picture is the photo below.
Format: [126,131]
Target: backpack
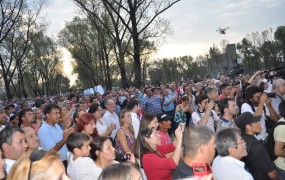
[269,143]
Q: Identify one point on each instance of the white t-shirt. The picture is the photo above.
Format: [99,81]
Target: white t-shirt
[97,171]
[135,123]
[82,168]
[229,168]
[101,128]
[196,118]
[108,119]
[8,165]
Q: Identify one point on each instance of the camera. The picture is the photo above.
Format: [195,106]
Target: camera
[125,157]
[201,169]
[271,95]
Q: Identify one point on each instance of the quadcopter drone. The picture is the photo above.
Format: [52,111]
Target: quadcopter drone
[222,30]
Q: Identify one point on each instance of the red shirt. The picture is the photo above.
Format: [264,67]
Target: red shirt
[158,168]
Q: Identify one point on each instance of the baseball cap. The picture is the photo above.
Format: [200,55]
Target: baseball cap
[245,119]
[163,117]
[264,81]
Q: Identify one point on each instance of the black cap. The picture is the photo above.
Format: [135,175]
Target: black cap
[245,119]
[163,117]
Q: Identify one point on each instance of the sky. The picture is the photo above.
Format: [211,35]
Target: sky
[194,23]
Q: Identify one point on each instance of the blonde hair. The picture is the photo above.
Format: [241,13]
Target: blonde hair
[40,169]
[122,116]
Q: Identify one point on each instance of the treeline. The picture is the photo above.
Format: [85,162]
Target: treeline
[258,51]
[30,61]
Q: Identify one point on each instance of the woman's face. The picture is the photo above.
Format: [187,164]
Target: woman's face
[2,163]
[63,111]
[98,113]
[58,171]
[89,128]
[153,123]
[108,151]
[127,118]
[154,139]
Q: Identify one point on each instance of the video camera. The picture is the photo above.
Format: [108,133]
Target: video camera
[275,72]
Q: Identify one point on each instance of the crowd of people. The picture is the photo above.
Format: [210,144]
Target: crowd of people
[213,128]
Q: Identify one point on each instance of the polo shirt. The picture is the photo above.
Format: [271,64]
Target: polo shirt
[182,171]
[49,136]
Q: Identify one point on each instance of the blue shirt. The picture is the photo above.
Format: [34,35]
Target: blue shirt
[169,107]
[49,136]
[152,105]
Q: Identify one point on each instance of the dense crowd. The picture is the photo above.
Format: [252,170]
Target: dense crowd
[210,128]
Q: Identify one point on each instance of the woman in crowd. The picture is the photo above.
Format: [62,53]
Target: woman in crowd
[126,171]
[101,127]
[149,120]
[148,139]
[183,110]
[38,117]
[86,124]
[39,165]
[103,153]
[2,166]
[125,138]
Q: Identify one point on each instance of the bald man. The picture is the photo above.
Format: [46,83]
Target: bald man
[32,138]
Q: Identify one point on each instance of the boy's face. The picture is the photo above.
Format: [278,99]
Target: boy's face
[85,149]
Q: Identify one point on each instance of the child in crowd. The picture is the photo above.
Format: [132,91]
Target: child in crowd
[80,166]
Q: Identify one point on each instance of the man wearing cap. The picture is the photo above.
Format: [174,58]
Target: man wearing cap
[260,168]
[164,122]
[167,146]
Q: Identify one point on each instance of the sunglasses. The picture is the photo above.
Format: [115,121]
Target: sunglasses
[35,156]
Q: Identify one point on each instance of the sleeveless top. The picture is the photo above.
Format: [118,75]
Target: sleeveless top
[130,143]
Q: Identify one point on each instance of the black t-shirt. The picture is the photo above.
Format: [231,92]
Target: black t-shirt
[182,171]
[257,159]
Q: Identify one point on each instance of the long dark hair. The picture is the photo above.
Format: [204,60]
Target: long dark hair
[143,146]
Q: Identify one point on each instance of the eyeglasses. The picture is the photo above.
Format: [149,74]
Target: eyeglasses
[35,156]
[241,142]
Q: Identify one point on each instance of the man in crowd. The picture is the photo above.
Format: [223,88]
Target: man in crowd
[254,104]
[229,110]
[110,117]
[27,118]
[231,148]
[151,104]
[199,147]
[278,87]
[260,168]
[32,138]
[212,93]
[204,114]
[226,91]
[13,145]
[51,135]
[133,106]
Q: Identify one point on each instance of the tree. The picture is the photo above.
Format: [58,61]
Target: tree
[18,21]
[141,14]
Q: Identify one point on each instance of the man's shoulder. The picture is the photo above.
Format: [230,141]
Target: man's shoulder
[182,171]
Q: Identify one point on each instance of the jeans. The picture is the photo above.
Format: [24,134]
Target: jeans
[281,173]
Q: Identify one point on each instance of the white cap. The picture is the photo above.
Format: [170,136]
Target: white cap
[264,81]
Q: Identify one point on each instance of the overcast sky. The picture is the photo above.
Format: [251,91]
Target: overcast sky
[194,22]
